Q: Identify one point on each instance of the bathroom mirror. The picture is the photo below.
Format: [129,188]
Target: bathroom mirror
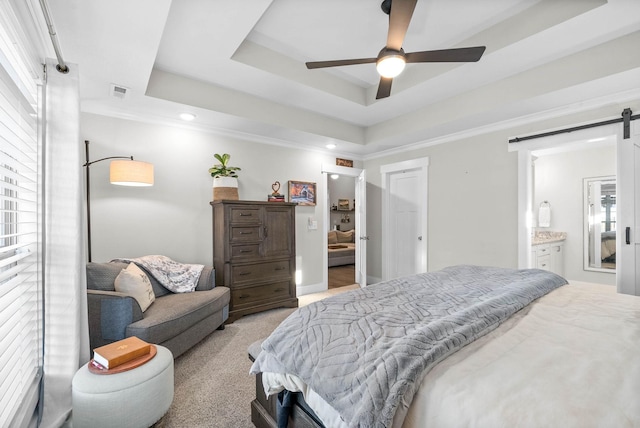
[600,224]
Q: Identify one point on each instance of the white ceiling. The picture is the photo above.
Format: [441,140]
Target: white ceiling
[239,65]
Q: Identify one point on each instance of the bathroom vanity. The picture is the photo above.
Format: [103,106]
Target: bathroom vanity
[547,251]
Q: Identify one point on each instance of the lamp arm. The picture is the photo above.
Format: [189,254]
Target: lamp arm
[110,157]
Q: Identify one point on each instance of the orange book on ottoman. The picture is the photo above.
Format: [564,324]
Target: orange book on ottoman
[120,352]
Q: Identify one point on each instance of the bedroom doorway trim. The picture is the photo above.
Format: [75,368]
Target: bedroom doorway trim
[419,166]
[360,220]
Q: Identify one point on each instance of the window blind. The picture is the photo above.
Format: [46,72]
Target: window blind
[20,229]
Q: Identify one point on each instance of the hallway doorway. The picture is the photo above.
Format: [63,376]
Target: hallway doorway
[346,224]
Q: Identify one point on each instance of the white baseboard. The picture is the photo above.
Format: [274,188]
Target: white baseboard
[301,290]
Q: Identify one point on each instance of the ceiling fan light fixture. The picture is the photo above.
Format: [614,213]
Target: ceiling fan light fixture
[390,66]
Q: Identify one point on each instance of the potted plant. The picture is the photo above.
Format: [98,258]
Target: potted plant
[225,178]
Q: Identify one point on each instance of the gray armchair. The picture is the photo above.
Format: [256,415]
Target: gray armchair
[175,320]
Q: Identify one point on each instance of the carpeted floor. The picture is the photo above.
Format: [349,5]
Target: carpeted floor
[213,387]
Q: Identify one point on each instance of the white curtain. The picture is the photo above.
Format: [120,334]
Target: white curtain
[66,338]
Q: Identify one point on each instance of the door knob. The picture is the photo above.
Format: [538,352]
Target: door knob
[419,238]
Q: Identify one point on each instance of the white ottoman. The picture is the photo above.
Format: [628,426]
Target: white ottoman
[137,398]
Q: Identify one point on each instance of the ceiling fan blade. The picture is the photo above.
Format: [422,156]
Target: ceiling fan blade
[399,19]
[384,88]
[472,54]
[340,62]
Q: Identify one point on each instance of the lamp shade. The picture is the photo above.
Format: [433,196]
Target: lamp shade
[131,173]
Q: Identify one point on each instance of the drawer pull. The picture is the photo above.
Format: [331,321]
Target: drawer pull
[244,273]
[277,290]
[245,233]
[280,268]
[245,251]
[243,296]
[245,214]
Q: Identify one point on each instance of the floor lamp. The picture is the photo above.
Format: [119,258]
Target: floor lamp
[122,173]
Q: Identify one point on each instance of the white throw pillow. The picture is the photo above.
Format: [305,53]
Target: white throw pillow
[135,283]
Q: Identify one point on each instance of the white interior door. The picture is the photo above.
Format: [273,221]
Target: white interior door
[628,237]
[404,218]
[405,223]
[361,230]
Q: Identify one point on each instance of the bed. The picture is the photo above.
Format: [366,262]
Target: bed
[608,246]
[341,248]
[568,357]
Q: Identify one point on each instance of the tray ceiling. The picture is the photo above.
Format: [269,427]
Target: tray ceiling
[239,65]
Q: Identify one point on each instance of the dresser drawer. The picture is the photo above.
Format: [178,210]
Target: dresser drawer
[260,272]
[249,251]
[245,233]
[244,215]
[260,294]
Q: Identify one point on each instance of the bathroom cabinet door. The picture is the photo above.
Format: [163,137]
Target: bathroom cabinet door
[556,258]
[549,257]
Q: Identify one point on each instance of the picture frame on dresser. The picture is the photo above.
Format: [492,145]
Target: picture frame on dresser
[302,192]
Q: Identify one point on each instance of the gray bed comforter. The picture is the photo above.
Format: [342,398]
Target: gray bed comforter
[366,351]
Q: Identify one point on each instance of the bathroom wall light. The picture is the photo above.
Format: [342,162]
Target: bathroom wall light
[335,176]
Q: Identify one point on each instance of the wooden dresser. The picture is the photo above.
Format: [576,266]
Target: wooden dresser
[254,254]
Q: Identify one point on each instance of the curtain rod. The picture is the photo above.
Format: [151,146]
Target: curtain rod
[61,67]
[626,118]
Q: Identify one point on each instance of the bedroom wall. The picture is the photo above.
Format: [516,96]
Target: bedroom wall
[472,209]
[173,217]
[559,180]
[472,194]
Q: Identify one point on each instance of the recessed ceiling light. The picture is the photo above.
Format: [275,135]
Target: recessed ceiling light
[331,146]
[335,176]
[187,116]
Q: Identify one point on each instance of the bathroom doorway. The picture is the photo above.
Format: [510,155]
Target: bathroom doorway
[559,177]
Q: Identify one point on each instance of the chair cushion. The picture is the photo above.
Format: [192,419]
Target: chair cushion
[102,276]
[173,314]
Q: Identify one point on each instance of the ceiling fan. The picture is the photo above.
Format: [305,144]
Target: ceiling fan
[391,59]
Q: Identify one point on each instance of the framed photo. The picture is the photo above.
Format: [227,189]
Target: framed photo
[343,204]
[302,192]
[344,162]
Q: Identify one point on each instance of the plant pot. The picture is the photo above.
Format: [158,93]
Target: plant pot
[225,188]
